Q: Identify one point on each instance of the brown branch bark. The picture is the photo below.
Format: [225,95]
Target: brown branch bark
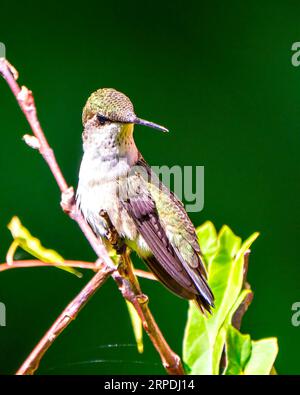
[170,360]
[21,264]
[67,316]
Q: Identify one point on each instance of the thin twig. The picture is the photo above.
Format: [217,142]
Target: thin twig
[25,100]
[66,317]
[36,263]
[27,263]
[144,274]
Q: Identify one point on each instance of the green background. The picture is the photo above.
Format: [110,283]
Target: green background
[219,76]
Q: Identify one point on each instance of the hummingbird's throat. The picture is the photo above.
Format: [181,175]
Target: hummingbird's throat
[113,140]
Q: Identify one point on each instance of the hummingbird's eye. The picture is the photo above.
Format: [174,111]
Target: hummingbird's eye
[101,119]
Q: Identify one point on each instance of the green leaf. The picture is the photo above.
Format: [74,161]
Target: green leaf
[218,349]
[229,243]
[263,356]
[137,327]
[238,351]
[249,357]
[225,276]
[204,337]
[247,243]
[32,245]
[197,343]
[208,240]
[221,337]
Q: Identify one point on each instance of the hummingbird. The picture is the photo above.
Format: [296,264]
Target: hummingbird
[114,178]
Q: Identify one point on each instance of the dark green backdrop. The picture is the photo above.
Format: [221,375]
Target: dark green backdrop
[219,75]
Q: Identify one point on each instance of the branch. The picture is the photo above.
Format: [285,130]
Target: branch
[171,361]
[25,100]
[36,263]
[21,264]
[38,141]
[70,313]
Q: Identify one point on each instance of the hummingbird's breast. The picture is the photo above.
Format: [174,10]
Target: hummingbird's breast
[104,170]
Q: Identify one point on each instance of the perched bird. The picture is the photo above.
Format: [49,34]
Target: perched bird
[115,179]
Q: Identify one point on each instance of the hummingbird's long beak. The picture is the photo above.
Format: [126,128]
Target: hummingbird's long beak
[139,121]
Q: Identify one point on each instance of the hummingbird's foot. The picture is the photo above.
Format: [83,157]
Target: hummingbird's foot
[114,239]
[111,233]
[68,200]
[142,299]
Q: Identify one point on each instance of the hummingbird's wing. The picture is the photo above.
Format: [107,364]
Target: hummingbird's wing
[163,223]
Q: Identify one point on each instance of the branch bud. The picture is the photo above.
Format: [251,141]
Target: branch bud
[32,141]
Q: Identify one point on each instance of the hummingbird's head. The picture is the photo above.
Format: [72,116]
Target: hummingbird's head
[110,106]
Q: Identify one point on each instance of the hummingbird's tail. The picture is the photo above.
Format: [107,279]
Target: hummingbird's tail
[203,298]
[202,305]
